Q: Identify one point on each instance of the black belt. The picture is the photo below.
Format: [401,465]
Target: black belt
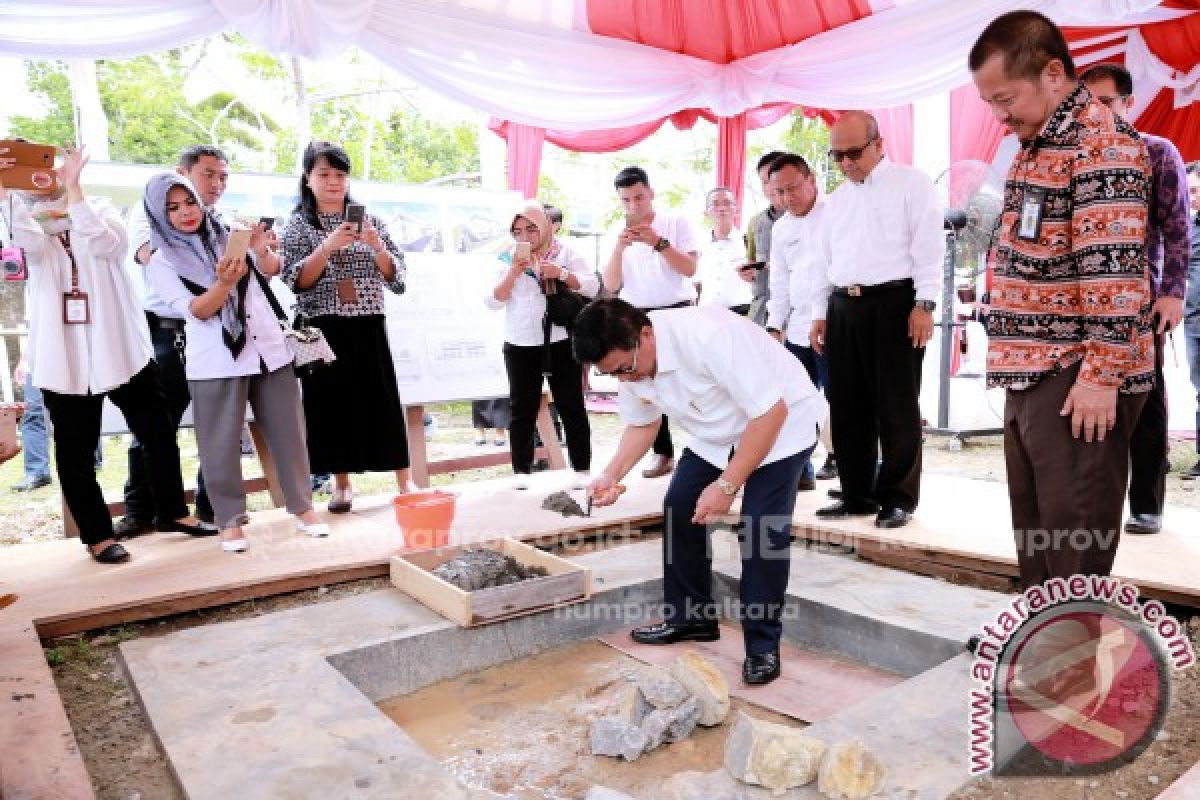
[166,323]
[680,304]
[858,290]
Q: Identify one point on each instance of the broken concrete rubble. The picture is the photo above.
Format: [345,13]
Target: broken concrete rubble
[706,683]
[850,771]
[773,756]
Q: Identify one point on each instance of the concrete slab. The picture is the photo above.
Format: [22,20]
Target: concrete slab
[283,705]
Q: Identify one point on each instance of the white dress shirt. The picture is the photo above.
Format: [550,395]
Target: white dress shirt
[887,228]
[115,345]
[525,308]
[716,371]
[795,263]
[206,357]
[139,234]
[720,284]
[647,280]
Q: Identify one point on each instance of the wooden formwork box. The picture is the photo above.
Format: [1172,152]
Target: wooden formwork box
[566,583]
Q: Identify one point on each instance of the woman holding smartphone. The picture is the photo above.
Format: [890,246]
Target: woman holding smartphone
[339,274]
[236,353]
[537,258]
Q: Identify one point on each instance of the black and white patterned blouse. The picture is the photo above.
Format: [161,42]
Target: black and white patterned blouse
[356,261]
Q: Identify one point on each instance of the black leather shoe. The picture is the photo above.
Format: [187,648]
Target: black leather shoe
[760,669]
[199,529]
[668,633]
[892,518]
[806,485]
[128,527]
[828,470]
[845,508]
[113,554]
[1143,523]
[973,644]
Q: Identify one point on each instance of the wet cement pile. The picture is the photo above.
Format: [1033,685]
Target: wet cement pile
[564,504]
[484,569]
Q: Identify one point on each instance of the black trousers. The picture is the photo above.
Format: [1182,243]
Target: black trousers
[76,421]
[1148,446]
[768,500]
[139,499]
[524,366]
[874,383]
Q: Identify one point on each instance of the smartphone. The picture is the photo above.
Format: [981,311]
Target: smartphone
[356,213]
[522,252]
[239,242]
[266,222]
[28,154]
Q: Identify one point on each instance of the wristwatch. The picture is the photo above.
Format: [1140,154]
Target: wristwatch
[662,244]
[727,488]
[773,330]
[925,305]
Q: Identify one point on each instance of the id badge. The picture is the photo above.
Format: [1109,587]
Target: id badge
[75,308]
[1032,206]
[347,295]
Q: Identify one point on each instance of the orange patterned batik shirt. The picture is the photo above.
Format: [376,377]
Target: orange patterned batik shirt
[1074,287]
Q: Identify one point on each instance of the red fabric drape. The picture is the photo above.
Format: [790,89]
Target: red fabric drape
[974,131]
[731,158]
[524,158]
[896,130]
[719,30]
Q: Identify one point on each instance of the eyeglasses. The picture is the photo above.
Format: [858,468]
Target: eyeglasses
[528,230]
[626,370]
[853,153]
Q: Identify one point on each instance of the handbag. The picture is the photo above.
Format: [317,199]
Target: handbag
[562,303]
[309,349]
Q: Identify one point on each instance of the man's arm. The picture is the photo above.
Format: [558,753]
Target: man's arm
[1172,213]
[614,277]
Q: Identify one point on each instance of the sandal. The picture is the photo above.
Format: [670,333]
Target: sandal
[340,501]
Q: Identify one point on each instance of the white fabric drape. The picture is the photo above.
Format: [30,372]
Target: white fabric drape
[520,63]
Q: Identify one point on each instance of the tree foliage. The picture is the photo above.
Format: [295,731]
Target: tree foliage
[48,82]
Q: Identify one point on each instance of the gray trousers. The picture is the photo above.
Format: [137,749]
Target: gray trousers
[219,411]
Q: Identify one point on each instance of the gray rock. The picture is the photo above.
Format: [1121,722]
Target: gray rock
[617,738]
[850,771]
[660,689]
[691,785]
[632,706]
[604,793]
[770,755]
[705,682]
[671,724]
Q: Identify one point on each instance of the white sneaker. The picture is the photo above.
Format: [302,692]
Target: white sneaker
[581,480]
[520,481]
[314,529]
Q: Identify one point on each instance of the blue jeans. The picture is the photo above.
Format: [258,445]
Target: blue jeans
[35,441]
[1193,354]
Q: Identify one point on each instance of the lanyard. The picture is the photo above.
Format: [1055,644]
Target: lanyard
[65,238]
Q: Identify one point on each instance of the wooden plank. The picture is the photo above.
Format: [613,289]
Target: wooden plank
[545,427]
[418,453]
[956,575]
[39,757]
[495,459]
[433,592]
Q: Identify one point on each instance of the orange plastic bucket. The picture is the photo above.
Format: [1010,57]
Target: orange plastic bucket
[424,518]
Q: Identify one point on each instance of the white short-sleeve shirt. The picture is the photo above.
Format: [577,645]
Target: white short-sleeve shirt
[716,371]
[647,280]
[717,273]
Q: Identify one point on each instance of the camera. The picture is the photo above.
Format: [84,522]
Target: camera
[12,260]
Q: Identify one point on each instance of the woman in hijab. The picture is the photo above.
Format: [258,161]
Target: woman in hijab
[236,352]
[520,292]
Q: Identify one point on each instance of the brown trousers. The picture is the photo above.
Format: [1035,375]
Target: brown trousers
[1067,495]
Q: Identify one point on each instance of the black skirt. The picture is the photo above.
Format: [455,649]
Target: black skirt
[492,413]
[352,410]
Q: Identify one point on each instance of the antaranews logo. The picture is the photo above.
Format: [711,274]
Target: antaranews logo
[1073,677]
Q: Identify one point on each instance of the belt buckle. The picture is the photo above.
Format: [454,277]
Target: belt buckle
[854,291]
